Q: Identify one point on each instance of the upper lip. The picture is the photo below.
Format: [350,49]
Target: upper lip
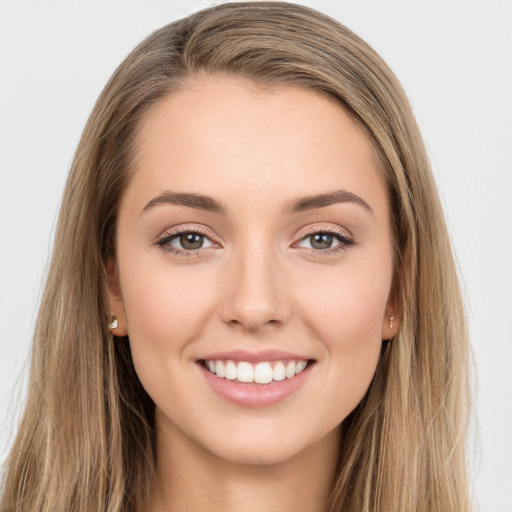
[254,357]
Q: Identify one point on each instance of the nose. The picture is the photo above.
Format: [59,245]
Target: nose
[255,298]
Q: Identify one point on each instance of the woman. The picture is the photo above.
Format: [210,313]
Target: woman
[252,302]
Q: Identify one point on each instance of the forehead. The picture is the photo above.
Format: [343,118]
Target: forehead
[228,138]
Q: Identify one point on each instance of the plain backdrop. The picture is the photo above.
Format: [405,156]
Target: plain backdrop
[454,59]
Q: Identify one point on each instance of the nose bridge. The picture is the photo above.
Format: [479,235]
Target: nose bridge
[255,296]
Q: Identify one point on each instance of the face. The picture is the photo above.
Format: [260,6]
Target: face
[254,268]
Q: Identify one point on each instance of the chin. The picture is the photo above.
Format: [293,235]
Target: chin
[258,453]
[268,447]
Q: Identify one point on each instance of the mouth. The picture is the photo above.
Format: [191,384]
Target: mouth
[256,379]
[260,373]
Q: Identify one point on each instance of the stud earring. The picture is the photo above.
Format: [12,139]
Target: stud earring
[114,322]
[391,322]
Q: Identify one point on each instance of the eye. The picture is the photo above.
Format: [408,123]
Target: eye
[328,241]
[191,241]
[184,242]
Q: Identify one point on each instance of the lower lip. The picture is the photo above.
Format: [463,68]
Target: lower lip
[255,395]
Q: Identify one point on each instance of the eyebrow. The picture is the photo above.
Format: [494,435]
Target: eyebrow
[296,205]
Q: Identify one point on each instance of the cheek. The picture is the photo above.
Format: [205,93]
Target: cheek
[346,319]
[166,309]
[348,306]
[165,304]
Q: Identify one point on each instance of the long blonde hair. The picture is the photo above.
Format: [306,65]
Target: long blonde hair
[86,440]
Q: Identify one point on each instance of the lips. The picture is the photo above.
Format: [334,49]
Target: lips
[255,379]
[256,357]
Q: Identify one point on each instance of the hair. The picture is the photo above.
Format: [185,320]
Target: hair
[86,439]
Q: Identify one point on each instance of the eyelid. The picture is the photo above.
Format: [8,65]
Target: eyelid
[163,240]
[327,229]
[178,230]
[344,237]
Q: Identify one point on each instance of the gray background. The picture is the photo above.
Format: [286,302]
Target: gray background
[454,59]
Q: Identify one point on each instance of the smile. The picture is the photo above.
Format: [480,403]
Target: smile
[263,372]
[256,379]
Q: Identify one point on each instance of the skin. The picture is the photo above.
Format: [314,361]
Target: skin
[259,282]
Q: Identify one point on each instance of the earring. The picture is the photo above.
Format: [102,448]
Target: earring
[391,322]
[114,322]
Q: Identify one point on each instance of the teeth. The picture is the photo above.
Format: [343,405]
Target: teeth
[300,366]
[290,370]
[245,372]
[230,371]
[279,371]
[261,373]
[219,369]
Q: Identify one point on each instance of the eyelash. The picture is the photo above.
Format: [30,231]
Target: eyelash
[344,240]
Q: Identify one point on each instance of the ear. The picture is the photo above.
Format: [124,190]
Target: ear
[115,299]
[392,315]
[390,324]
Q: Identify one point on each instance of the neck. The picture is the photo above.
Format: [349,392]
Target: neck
[190,478]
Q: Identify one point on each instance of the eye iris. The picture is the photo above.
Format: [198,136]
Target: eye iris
[324,241]
[191,241]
